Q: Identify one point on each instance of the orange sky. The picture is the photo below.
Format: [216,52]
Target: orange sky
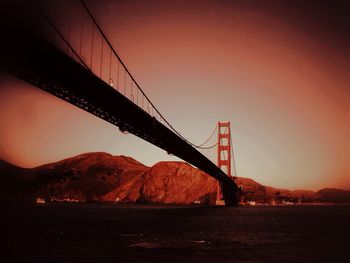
[280,77]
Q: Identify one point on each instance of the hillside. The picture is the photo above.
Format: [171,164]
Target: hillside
[94,177]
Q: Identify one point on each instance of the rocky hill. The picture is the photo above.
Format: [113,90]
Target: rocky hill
[94,177]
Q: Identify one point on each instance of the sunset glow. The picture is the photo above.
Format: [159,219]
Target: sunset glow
[283,85]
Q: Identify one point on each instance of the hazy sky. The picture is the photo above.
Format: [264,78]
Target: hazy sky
[278,70]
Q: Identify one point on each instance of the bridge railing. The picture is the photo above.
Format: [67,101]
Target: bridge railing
[71,27]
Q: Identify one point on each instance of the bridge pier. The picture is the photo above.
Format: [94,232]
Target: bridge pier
[231,192]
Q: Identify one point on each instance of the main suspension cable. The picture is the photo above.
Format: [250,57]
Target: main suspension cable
[62,37]
[210,136]
[121,62]
[137,85]
[233,157]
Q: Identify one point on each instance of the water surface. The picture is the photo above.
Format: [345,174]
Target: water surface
[61,232]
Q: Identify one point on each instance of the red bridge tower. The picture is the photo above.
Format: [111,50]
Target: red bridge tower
[225,154]
[224,147]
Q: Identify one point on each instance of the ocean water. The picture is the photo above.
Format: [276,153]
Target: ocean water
[95,232]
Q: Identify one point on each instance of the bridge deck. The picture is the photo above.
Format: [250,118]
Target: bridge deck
[41,64]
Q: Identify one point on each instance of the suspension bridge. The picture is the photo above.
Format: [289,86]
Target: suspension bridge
[63,50]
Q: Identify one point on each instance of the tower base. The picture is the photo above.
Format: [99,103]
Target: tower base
[231,192]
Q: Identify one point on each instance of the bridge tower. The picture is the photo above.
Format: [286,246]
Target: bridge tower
[224,153]
[224,147]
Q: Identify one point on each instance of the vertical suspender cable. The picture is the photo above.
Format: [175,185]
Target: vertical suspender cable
[118,74]
[81,32]
[69,24]
[233,159]
[110,68]
[63,38]
[101,57]
[131,90]
[127,72]
[137,97]
[92,45]
[125,83]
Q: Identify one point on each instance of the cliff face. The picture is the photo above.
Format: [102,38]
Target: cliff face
[90,177]
[178,182]
[165,182]
[102,177]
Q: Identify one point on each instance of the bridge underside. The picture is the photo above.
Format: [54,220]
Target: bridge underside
[34,60]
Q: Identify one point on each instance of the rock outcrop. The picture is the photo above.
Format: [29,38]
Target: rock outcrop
[96,177]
